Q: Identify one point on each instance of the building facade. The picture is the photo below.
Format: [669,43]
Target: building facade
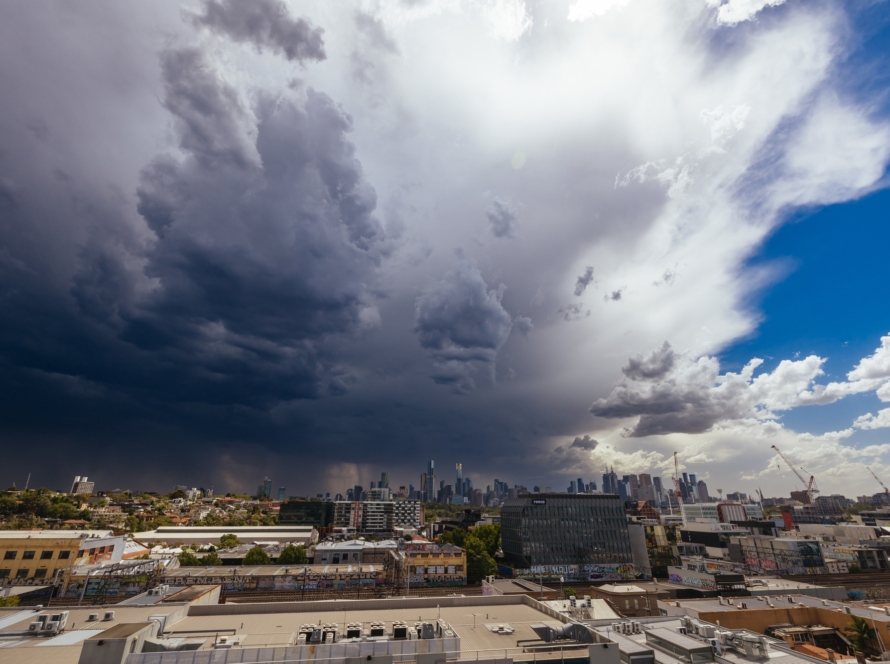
[565,529]
[315,513]
[81,486]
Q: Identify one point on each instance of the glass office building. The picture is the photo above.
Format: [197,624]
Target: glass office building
[307,513]
[565,529]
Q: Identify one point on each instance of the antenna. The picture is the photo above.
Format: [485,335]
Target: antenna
[27,482]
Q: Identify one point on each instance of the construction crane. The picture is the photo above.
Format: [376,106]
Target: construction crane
[886,490]
[676,478]
[810,485]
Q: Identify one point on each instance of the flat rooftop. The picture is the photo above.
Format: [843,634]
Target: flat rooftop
[668,628]
[471,618]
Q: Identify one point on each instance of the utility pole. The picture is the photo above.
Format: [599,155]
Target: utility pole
[27,481]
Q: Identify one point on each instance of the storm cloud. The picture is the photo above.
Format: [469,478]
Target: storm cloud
[265,24]
[461,322]
[229,230]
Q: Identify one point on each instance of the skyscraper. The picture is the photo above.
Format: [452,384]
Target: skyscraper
[430,481]
[610,481]
[264,490]
[281,493]
[580,485]
[384,481]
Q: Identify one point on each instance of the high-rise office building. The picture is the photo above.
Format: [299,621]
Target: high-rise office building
[703,494]
[610,482]
[430,481]
[384,481]
[459,471]
[580,485]
[534,530]
[281,493]
[264,490]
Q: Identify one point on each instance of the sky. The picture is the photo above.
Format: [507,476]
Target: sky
[315,241]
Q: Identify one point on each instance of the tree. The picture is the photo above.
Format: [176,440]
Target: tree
[256,556]
[12,600]
[408,538]
[855,569]
[188,559]
[570,592]
[490,536]
[293,555]
[479,563]
[229,541]
[211,560]
[179,493]
[860,634]
[455,537]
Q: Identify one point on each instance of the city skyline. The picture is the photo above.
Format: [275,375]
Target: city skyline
[318,241]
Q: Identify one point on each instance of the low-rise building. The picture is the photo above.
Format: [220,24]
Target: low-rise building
[34,556]
[204,535]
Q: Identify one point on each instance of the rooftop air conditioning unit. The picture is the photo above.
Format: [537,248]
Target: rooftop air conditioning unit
[847,609]
[109,615]
[51,626]
[93,617]
[35,626]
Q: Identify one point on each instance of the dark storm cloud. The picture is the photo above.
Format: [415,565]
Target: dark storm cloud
[461,322]
[502,218]
[584,281]
[265,24]
[584,443]
[673,396]
[653,366]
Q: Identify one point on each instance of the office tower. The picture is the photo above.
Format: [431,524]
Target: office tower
[422,489]
[357,492]
[264,490]
[281,493]
[536,489]
[659,489]
[459,470]
[431,481]
[384,481]
[350,495]
[610,482]
[580,485]
[533,531]
[703,494]
[623,491]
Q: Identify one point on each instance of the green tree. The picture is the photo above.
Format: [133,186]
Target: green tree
[490,536]
[408,538]
[179,493]
[211,560]
[228,541]
[12,600]
[570,592]
[860,634]
[188,559]
[293,555]
[455,537]
[479,563]
[256,556]
[855,569]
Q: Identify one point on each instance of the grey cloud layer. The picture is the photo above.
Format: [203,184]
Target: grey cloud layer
[265,24]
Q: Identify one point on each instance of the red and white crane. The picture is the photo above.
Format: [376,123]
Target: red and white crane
[886,490]
[676,478]
[810,485]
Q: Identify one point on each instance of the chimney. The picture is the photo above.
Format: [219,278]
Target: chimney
[860,658]
[831,658]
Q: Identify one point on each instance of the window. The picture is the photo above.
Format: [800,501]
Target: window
[10,555]
[4,573]
[46,555]
[21,574]
[28,555]
[63,555]
[40,573]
